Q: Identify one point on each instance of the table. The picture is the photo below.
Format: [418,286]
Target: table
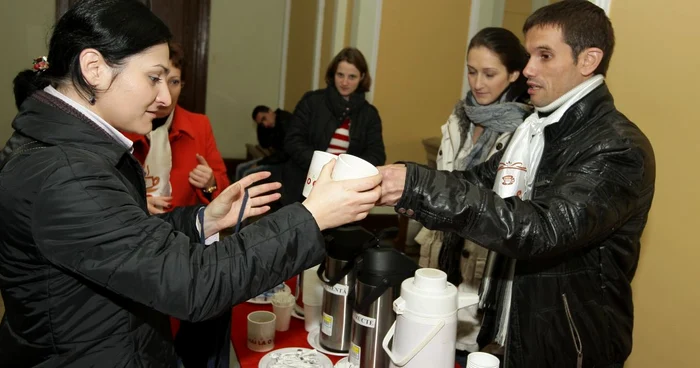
[294,337]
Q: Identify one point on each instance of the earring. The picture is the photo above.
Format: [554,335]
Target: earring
[92,100]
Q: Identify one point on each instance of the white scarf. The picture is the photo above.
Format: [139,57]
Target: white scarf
[518,168]
[159,160]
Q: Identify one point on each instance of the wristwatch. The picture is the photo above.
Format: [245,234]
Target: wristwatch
[209,190]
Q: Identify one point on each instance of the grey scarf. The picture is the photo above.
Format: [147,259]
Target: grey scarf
[496,118]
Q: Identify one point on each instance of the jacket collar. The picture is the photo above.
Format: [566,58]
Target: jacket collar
[50,120]
[181,124]
[342,108]
[594,105]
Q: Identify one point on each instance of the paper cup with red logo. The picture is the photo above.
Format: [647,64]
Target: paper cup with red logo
[352,167]
[318,160]
[261,331]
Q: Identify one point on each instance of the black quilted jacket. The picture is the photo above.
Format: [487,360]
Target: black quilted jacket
[88,277]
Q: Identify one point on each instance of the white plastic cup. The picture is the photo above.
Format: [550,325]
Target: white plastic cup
[312,317]
[318,160]
[261,331]
[482,360]
[284,315]
[282,305]
[352,167]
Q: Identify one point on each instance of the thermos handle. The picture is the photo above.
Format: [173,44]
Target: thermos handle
[416,349]
[343,272]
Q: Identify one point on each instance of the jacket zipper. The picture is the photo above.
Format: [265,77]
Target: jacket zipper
[574,333]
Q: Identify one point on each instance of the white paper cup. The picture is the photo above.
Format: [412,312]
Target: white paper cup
[261,331]
[482,360]
[318,160]
[312,317]
[352,167]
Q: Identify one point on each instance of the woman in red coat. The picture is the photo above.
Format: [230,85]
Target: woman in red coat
[181,163]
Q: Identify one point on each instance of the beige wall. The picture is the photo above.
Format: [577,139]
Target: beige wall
[654,80]
[300,57]
[25,29]
[422,52]
[326,41]
[514,15]
[245,55]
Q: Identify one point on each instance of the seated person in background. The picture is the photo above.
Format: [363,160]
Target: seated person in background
[480,125]
[337,119]
[271,128]
[183,167]
[180,160]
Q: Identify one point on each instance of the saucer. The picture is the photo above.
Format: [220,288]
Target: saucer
[266,297]
[296,314]
[312,339]
[267,359]
[342,363]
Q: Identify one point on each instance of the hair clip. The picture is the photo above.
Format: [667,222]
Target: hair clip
[40,64]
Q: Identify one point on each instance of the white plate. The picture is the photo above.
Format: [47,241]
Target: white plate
[266,297]
[267,359]
[312,339]
[342,363]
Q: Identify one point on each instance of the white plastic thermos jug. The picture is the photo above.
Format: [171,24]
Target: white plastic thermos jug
[425,330]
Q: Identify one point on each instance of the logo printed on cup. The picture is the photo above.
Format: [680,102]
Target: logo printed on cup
[318,160]
[260,341]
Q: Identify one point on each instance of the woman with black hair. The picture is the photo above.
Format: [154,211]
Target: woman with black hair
[87,276]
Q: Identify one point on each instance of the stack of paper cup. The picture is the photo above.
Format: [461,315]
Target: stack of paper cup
[312,297]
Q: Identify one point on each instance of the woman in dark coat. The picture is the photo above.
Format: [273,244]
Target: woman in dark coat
[337,119]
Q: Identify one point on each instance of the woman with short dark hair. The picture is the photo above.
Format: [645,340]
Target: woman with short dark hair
[87,275]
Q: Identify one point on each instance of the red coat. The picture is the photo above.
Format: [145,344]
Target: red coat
[190,134]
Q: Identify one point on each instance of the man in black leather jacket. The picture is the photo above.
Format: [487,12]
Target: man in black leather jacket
[576,240]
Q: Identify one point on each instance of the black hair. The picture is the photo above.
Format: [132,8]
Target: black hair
[583,25]
[258,109]
[117,29]
[510,52]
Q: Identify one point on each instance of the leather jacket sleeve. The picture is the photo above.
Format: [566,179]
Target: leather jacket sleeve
[580,205]
[86,223]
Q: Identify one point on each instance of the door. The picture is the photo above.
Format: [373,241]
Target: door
[188,21]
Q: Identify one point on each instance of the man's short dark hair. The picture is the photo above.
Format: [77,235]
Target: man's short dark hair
[583,25]
[258,109]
